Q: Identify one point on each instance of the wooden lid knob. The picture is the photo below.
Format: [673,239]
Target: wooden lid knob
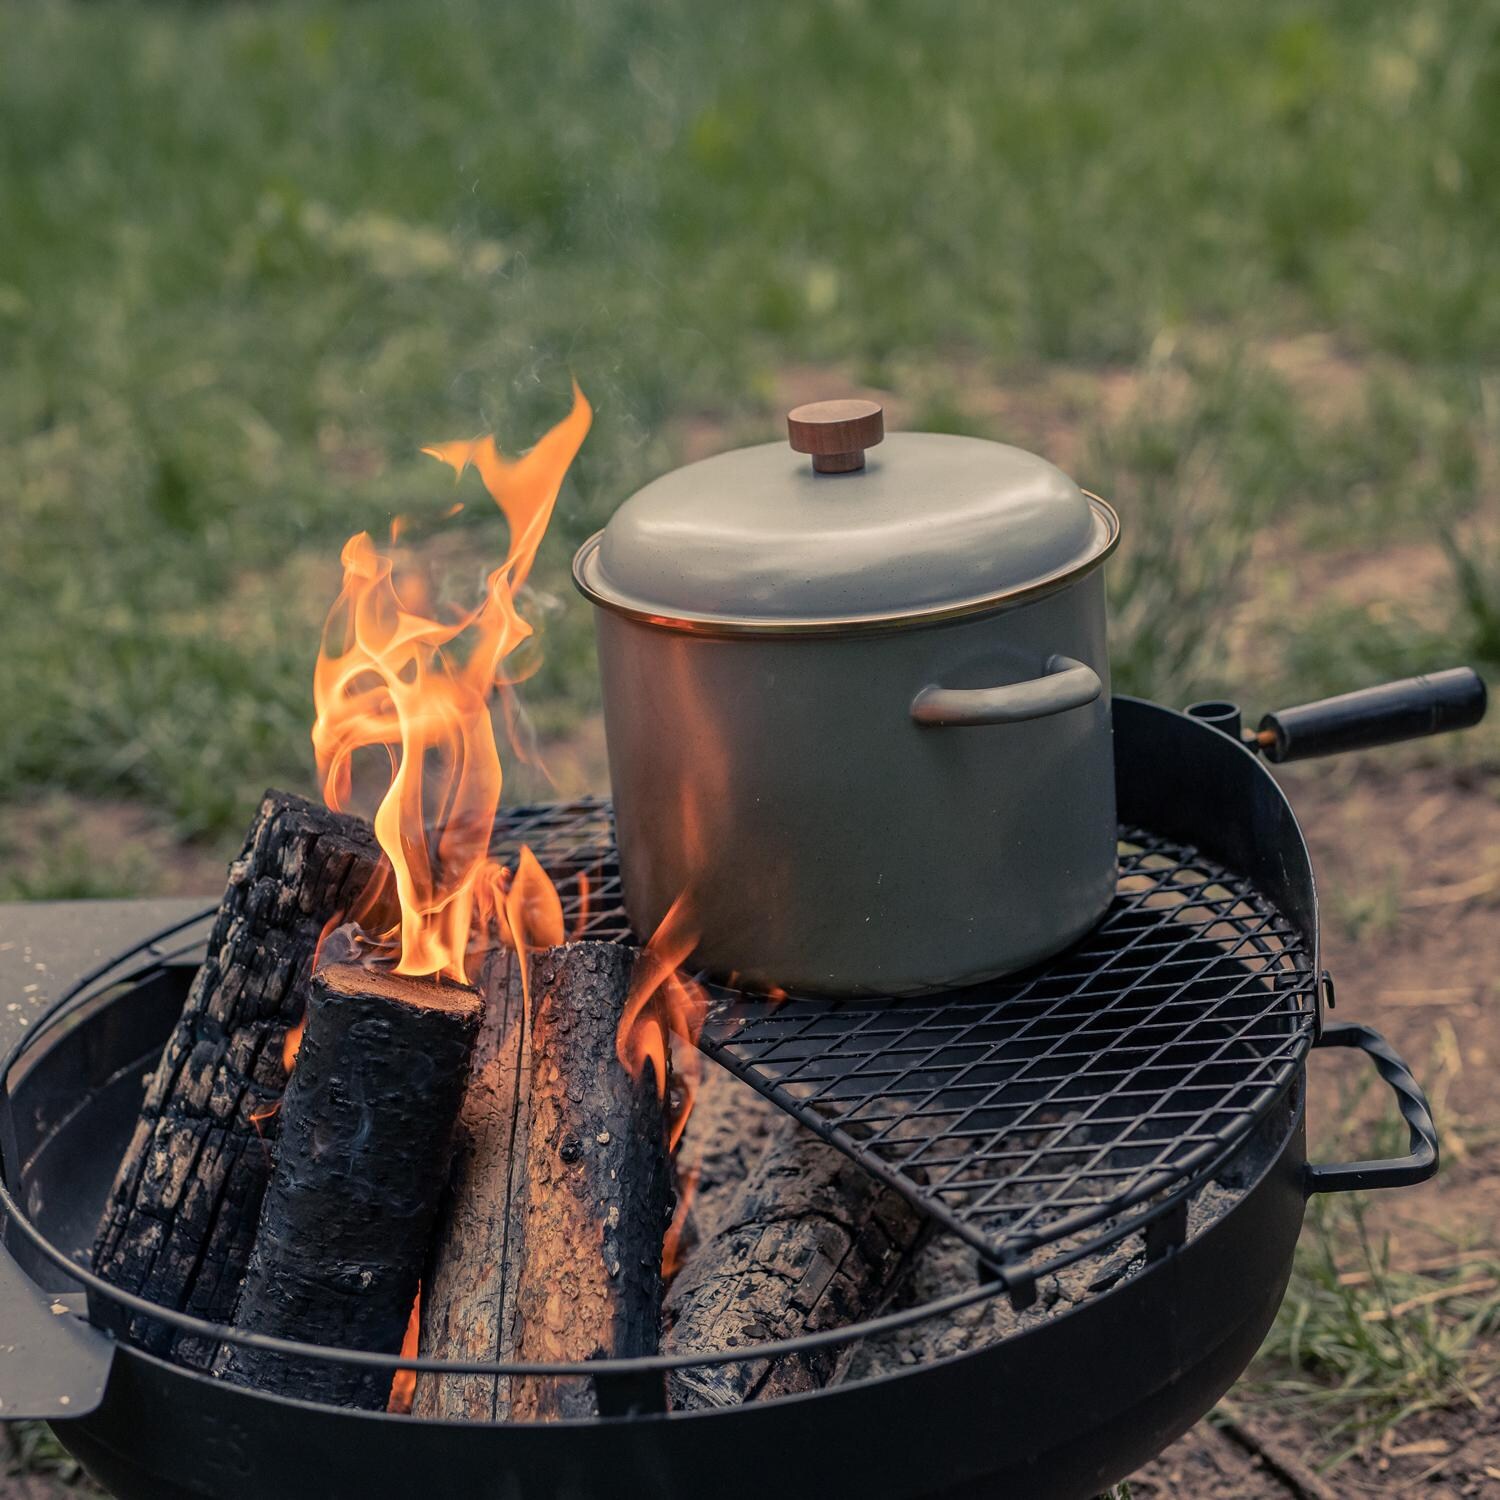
[836,433]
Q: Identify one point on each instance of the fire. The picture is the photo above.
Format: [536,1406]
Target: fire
[665,1004]
[404,1382]
[292,1045]
[398,672]
[531,913]
[401,673]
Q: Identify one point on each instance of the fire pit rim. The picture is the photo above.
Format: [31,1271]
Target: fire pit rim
[1266,1177]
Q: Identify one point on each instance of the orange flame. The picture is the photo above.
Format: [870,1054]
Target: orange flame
[672,1252]
[531,915]
[292,1045]
[398,673]
[664,1005]
[390,674]
[404,1382]
[581,921]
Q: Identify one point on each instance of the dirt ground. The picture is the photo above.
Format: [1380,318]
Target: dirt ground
[1408,866]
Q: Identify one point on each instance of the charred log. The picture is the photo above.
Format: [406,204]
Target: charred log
[366,1135]
[469,1295]
[810,1241]
[181,1216]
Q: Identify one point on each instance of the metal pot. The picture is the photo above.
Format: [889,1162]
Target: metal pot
[858,711]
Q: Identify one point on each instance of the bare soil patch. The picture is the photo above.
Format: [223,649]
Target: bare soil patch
[1424,972]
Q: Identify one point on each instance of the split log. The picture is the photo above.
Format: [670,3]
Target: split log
[469,1295]
[366,1136]
[181,1216]
[598,1182]
[553,1252]
[810,1242]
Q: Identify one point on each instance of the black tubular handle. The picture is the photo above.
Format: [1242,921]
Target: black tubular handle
[1405,710]
[1398,1171]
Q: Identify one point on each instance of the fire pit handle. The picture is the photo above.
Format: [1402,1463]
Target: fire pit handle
[1384,715]
[1397,1171]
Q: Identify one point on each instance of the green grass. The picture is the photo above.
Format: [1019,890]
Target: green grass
[36,1451]
[1368,1338]
[1358,1359]
[253,256]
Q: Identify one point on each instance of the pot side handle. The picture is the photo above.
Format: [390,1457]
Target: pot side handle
[1067,684]
[1398,1171]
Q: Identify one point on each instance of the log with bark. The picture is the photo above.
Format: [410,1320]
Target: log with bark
[469,1295]
[552,1253]
[367,1125]
[181,1216]
[809,1241]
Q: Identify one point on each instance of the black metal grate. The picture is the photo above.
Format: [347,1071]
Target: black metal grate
[1086,1094]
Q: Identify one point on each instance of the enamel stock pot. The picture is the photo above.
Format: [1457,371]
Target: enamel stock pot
[857,709]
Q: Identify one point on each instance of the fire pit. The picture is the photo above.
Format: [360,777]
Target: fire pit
[1045,1118]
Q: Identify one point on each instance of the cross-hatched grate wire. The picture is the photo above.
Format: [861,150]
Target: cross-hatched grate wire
[1061,1107]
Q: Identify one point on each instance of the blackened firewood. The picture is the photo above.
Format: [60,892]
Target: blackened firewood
[469,1293]
[181,1216]
[598,1184]
[366,1137]
[810,1241]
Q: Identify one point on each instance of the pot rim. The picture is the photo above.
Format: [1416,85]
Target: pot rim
[725,625]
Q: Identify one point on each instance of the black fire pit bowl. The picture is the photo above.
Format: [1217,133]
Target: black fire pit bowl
[1063,1409]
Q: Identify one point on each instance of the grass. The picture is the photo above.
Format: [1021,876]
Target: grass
[1362,1345]
[254,255]
[1366,1339]
[1371,908]
[36,1451]
[1232,265]
[1476,572]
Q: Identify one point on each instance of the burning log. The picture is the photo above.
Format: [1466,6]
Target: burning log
[810,1241]
[553,1253]
[181,1216]
[598,1182]
[469,1295]
[361,1157]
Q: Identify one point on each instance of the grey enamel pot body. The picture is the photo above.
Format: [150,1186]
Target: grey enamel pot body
[876,803]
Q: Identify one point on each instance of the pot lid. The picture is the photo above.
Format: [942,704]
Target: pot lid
[927,524]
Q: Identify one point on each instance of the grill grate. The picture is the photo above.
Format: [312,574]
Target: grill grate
[1051,1111]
